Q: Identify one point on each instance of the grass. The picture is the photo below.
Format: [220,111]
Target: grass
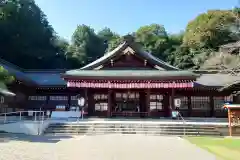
[223,148]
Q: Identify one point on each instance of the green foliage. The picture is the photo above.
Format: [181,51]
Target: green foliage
[4,76]
[111,40]
[153,38]
[86,45]
[208,30]
[27,36]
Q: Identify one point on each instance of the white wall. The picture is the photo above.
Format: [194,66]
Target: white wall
[26,127]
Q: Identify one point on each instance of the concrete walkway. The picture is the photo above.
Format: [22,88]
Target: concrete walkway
[100,147]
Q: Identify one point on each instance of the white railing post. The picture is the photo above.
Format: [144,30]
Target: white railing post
[5,117]
[35,116]
[42,117]
[184,123]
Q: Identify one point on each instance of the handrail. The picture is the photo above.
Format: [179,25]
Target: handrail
[20,115]
[18,112]
[184,122]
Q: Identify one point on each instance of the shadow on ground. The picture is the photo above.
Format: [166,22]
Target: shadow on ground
[30,138]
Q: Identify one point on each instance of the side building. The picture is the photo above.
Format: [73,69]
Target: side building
[126,82]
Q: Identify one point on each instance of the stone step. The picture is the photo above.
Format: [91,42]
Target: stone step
[131,128]
[148,132]
[125,126]
[137,129]
[129,132]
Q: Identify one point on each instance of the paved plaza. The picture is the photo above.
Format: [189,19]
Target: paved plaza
[99,147]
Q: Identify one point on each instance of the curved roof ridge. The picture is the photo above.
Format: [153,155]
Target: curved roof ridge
[144,54]
[107,55]
[159,60]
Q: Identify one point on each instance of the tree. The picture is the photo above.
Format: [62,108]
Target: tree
[86,46]
[153,38]
[5,77]
[182,58]
[174,42]
[208,30]
[25,34]
[111,40]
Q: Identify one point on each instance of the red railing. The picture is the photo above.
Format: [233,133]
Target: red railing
[129,114]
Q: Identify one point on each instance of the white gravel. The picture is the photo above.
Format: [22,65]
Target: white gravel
[99,147]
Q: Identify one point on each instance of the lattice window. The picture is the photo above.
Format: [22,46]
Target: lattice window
[156,102]
[100,97]
[200,103]
[74,98]
[37,98]
[184,103]
[228,98]
[132,95]
[2,99]
[101,106]
[58,98]
[101,102]
[219,101]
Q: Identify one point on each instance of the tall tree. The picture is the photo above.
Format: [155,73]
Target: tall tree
[86,46]
[208,30]
[153,38]
[25,34]
[111,39]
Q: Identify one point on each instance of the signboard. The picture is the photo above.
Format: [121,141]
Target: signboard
[48,113]
[177,102]
[81,102]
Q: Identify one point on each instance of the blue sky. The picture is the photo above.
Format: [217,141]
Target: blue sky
[124,16]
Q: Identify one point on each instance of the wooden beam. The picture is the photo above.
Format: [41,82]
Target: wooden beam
[128,50]
[159,68]
[99,67]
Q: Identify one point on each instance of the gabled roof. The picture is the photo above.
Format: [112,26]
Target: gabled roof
[126,45]
[36,77]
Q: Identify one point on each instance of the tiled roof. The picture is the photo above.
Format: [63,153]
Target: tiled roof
[53,78]
[129,74]
[218,79]
[46,78]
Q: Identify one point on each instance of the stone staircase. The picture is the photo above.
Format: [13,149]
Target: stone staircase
[131,128]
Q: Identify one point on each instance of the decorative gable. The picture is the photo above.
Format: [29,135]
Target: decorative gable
[128,56]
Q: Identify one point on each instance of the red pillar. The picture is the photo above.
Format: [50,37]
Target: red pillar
[109,111]
[148,102]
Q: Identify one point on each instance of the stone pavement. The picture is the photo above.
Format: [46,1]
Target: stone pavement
[99,147]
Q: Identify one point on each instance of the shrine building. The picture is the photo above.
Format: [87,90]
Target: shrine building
[126,82]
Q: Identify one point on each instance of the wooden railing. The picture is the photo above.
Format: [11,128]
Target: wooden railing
[129,114]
